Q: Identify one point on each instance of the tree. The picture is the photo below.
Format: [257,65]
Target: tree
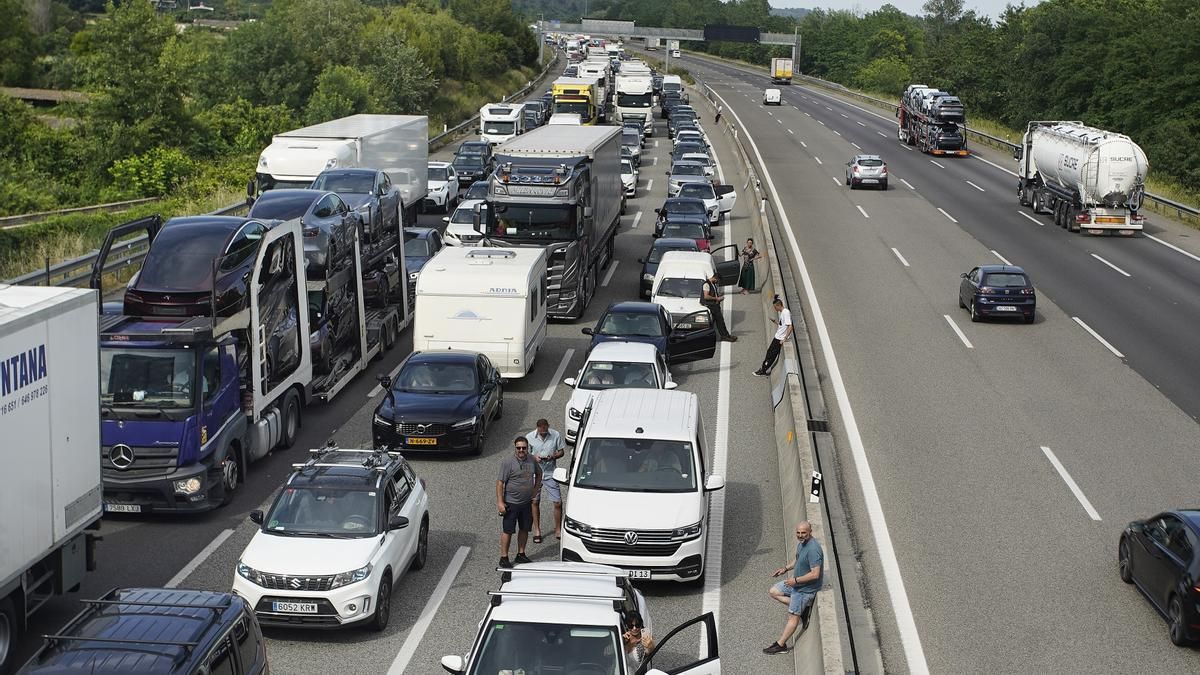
[341,91]
[16,56]
[885,75]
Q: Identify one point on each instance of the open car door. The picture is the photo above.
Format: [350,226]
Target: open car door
[676,654]
[727,262]
[727,194]
[692,338]
[126,245]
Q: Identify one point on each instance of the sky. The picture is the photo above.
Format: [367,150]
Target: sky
[991,8]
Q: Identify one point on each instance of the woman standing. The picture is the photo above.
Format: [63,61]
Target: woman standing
[749,254]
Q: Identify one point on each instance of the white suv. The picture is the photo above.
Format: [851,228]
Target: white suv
[569,618]
[443,186]
[610,365]
[637,494]
[460,225]
[346,526]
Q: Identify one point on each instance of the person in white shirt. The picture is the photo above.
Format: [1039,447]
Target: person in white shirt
[781,335]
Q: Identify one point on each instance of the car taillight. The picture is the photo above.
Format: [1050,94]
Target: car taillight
[883,171]
[855,169]
[311,231]
[1083,217]
[1026,291]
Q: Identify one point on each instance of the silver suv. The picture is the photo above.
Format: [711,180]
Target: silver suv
[866,170]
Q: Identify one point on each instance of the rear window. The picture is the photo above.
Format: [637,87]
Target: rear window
[698,190]
[870,162]
[181,259]
[687,170]
[1006,280]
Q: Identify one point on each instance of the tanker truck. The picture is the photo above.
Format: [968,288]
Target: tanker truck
[1091,180]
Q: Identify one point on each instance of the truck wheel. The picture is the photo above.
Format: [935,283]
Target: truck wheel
[291,420]
[231,475]
[1036,202]
[610,252]
[10,634]
[1072,226]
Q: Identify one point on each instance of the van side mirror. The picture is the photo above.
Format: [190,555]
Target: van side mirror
[714,483]
[570,382]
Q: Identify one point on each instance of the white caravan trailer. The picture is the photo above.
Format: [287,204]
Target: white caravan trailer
[499,122]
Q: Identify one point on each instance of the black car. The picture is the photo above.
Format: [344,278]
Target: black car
[1159,556]
[370,192]
[478,190]
[538,107]
[654,256]
[472,168]
[680,209]
[690,338]
[163,631]
[332,323]
[997,291]
[532,120]
[327,222]
[420,245]
[439,401]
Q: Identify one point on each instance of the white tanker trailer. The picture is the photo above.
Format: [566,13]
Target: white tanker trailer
[1089,179]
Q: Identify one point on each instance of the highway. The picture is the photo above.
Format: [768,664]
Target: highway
[989,467]
[435,611]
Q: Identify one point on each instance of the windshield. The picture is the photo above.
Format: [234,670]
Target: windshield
[583,108]
[472,150]
[182,259]
[698,190]
[478,190]
[468,162]
[416,248]
[683,230]
[324,512]
[554,223]
[680,288]
[687,170]
[695,208]
[354,183]
[672,86]
[631,138]
[147,378]
[492,127]
[1005,281]
[636,464]
[631,324]
[548,648]
[436,378]
[610,374]
[463,215]
[439,173]
[634,100]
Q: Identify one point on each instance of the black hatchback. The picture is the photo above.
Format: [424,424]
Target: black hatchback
[654,256]
[1159,555]
[997,291]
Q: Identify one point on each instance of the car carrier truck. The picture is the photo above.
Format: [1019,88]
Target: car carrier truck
[1091,180]
[932,120]
[49,435]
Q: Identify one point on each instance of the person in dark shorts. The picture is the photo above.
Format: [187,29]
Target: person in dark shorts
[519,479]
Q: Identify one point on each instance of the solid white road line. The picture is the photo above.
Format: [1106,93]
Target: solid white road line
[637,217]
[1062,473]
[417,632]
[958,331]
[1096,335]
[902,260]
[818,160]
[860,209]
[649,185]
[976,186]
[1172,246]
[910,187]
[910,638]
[562,368]
[947,215]
[197,561]
[1118,269]
[1029,217]
[1002,258]
[936,164]
[612,267]
[835,180]
[856,145]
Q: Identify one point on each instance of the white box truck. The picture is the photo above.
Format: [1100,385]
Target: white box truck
[486,300]
[397,144]
[50,448]
[499,122]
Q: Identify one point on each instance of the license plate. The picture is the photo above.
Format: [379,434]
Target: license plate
[122,508]
[637,574]
[294,607]
[1005,308]
[866,180]
[420,441]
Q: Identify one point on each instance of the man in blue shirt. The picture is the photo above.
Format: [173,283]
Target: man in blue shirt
[799,591]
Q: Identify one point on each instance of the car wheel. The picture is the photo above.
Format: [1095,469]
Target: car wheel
[883,186]
[477,439]
[853,184]
[847,180]
[291,420]
[383,605]
[1175,625]
[975,317]
[499,408]
[10,633]
[230,475]
[422,554]
[1030,318]
[1124,562]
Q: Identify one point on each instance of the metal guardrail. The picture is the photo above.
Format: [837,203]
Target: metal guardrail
[447,135]
[23,219]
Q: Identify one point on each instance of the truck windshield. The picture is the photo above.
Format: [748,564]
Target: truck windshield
[610,374]
[491,127]
[634,100]
[582,108]
[318,511]
[526,648]
[636,464]
[147,378]
[548,223]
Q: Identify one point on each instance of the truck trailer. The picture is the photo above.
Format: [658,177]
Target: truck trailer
[559,187]
[1091,180]
[50,426]
[397,144]
[932,120]
[781,71]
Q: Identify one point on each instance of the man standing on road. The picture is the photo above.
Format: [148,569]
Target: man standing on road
[798,592]
[782,334]
[520,478]
[546,445]
[711,299]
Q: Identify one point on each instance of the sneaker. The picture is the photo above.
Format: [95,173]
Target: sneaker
[521,559]
[730,338]
[777,648]
[761,373]
[505,564]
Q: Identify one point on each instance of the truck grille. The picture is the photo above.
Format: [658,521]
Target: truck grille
[146,462]
[283,582]
[412,428]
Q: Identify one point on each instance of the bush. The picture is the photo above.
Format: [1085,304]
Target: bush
[150,174]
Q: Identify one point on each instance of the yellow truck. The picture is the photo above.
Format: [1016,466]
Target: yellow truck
[575,95]
[781,71]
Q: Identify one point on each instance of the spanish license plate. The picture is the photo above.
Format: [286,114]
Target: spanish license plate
[867,180]
[420,441]
[1005,308]
[294,607]
[637,574]
[110,507]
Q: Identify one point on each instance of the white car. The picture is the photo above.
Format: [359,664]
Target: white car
[460,226]
[702,159]
[443,186]
[674,53]
[772,97]
[629,178]
[630,365]
[718,199]
[346,527]
[684,172]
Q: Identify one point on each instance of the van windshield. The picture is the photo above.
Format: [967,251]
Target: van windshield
[625,374]
[636,464]
[491,127]
[680,288]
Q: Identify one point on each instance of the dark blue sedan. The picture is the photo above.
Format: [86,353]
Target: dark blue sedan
[997,291]
[420,245]
[654,256]
[1161,556]
[690,338]
[439,401]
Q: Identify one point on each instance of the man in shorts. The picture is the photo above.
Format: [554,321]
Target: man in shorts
[546,446]
[519,479]
[800,590]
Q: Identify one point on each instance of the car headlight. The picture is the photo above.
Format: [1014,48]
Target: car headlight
[351,577]
[574,413]
[577,528]
[690,532]
[469,422]
[648,277]
[412,276]
[380,419]
[249,573]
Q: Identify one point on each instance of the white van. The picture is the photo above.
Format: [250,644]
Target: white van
[637,490]
[680,275]
[772,97]
[486,300]
[499,122]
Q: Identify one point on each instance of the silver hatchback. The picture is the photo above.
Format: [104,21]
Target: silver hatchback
[867,170]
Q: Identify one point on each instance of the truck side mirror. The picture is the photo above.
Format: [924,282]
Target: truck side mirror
[1018,152]
[249,193]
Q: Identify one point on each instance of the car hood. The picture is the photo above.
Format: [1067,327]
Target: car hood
[408,407]
[580,398]
[678,306]
[634,510]
[308,555]
[439,184]
[659,342]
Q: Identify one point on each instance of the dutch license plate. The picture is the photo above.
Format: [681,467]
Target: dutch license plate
[1005,308]
[420,441]
[122,508]
[294,607]
[637,574]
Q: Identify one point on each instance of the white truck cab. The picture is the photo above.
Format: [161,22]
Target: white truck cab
[499,122]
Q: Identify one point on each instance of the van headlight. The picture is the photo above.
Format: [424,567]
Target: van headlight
[351,577]
[690,532]
[577,528]
[574,413]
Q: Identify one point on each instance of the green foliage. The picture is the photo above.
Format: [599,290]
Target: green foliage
[16,56]
[889,73]
[150,174]
[341,91]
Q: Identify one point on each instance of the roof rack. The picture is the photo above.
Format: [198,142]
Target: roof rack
[378,459]
[498,596]
[123,641]
[508,572]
